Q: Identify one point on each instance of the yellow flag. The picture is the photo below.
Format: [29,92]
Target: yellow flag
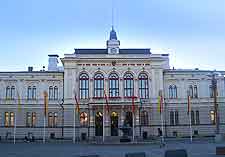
[45,103]
[18,101]
[159,104]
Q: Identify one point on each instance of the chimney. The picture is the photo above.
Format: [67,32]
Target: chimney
[53,62]
[30,69]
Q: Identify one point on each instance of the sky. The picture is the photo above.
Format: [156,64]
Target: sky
[192,32]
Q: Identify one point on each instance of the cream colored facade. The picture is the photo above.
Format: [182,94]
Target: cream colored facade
[113,60]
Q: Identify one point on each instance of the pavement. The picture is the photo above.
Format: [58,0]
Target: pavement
[194,149]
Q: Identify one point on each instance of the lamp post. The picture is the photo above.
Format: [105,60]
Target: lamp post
[62,108]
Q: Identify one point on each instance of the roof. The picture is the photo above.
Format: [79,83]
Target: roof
[105,51]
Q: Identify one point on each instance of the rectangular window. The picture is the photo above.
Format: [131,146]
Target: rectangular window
[195,91]
[34,119]
[12,118]
[197,117]
[192,118]
[28,119]
[6,119]
[50,119]
[176,118]
[212,116]
[172,118]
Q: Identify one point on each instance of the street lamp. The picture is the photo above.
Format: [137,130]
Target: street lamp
[62,108]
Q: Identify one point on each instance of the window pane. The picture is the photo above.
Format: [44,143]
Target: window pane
[33,119]
[6,119]
[12,118]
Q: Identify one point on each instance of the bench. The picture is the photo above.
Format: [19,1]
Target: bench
[136,154]
[220,150]
[176,153]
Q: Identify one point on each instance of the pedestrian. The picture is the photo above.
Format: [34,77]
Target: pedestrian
[160,135]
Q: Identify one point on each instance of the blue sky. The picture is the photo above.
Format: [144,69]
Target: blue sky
[192,32]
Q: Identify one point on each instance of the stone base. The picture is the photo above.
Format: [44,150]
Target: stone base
[218,138]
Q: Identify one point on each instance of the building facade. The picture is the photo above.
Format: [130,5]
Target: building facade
[127,81]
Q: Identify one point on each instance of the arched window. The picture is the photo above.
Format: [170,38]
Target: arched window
[191,91]
[50,93]
[128,85]
[98,85]
[12,92]
[83,119]
[144,118]
[211,91]
[34,92]
[170,91]
[7,93]
[143,86]
[29,93]
[84,86]
[56,93]
[174,91]
[113,85]
[195,91]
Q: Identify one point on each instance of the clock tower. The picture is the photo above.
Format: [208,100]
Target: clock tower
[113,44]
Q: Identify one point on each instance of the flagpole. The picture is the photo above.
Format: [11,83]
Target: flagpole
[74,126]
[189,114]
[133,126]
[103,138]
[190,127]
[44,129]
[14,135]
[161,115]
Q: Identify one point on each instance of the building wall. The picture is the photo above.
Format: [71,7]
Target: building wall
[159,77]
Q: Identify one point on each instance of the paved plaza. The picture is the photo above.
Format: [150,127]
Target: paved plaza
[195,149]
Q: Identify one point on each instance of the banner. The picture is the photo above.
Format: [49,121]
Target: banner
[77,108]
[106,100]
[45,103]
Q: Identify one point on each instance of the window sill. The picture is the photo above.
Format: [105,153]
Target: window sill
[130,97]
[98,97]
[115,97]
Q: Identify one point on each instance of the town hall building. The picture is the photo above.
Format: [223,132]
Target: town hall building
[128,81]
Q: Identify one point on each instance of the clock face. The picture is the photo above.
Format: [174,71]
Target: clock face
[113,50]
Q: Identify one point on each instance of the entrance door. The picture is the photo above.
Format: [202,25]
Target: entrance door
[129,121]
[114,124]
[98,124]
